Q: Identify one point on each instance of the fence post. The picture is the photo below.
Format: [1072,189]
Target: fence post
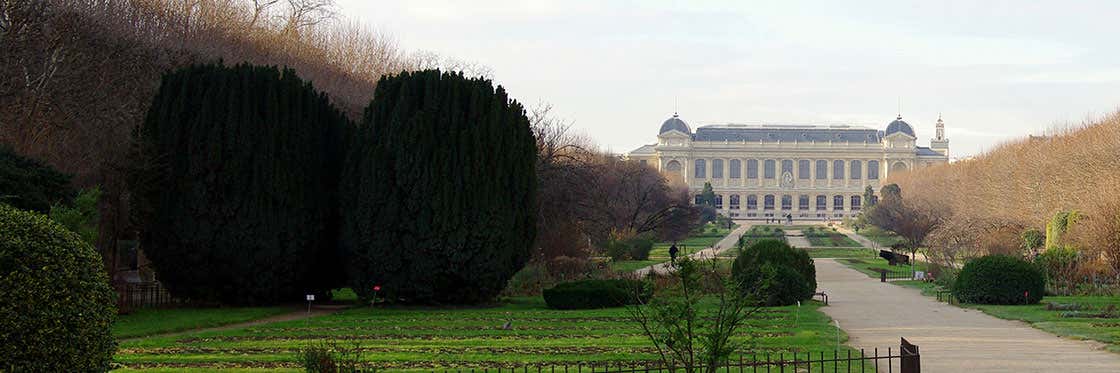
[882,276]
[911,361]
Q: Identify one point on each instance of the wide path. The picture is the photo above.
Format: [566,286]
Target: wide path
[724,244]
[951,339]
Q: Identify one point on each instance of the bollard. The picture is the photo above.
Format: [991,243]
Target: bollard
[882,276]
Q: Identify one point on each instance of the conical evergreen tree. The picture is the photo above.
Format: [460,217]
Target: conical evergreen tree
[235,185]
[438,190]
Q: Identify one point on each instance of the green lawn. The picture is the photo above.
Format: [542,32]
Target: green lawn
[150,321]
[842,253]
[872,266]
[705,238]
[819,237]
[1105,330]
[881,237]
[423,338]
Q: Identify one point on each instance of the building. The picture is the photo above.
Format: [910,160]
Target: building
[770,170]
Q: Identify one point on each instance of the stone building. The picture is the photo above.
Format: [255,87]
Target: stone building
[770,170]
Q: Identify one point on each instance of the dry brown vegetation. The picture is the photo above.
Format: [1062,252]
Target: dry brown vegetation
[76,76]
[991,199]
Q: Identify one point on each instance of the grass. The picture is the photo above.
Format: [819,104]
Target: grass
[872,266]
[881,237]
[423,338]
[704,238]
[842,253]
[1105,330]
[151,321]
[829,238]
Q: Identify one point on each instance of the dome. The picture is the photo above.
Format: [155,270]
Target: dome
[674,123]
[900,126]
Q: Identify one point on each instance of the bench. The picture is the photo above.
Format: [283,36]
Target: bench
[824,297]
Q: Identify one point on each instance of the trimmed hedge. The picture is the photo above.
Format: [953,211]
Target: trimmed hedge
[766,270]
[999,279]
[589,294]
[58,306]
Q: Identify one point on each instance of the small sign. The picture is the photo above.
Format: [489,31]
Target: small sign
[310,297]
[919,275]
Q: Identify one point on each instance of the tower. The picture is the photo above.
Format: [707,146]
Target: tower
[939,143]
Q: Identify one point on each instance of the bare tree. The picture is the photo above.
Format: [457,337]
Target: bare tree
[308,13]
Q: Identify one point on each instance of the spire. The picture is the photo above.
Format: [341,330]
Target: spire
[940,135]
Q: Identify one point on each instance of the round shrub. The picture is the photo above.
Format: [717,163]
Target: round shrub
[58,306]
[999,279]
[749,271]
[588,294]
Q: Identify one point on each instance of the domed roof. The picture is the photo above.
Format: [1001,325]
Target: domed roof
[900,126]
[674,123]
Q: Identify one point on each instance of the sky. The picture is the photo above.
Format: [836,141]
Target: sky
[995,70]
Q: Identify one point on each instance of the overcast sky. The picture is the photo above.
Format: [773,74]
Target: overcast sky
[996,69]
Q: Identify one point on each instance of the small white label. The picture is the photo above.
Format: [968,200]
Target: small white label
[310,297]
[919,275]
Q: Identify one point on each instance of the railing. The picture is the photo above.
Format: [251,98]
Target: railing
[886,274]
[905,359]
[141,295]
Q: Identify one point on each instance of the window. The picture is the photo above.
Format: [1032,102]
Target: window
[855,203]
[699,199]
[837,170]
[643,162]
[803,202]
[736,169]
[717,168]
[752,202]
[874,199]
[768,169]
[873,170]
[734,201]
[768,202]
[787,166]
[838,203]
[822,170]
[752,168]
[719,201]
[673,166]
[822,203]
[787,202]
[803,170]
[700,174]
[856,170]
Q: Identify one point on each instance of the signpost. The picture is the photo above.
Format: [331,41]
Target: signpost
[310,298]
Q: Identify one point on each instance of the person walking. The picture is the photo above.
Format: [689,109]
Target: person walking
[673,254]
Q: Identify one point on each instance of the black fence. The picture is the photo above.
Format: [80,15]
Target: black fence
[887,274]
[905,359]
[142,295]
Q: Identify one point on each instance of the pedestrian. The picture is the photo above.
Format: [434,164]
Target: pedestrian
[673,254]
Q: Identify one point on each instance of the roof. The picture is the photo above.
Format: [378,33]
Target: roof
[924,151]
[900,126]
[645,149]
[674,123]
[787,133]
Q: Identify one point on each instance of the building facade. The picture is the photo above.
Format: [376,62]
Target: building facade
[806,171]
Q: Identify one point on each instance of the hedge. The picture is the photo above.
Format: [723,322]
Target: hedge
[587,294]
[763,269]
[58,306]
[999,279]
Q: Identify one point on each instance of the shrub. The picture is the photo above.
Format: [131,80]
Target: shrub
[588,294]
[640,248]
[440,188]
[234,185]
[999,279]
[617,250]
[28,184]
[57,304]
[750,271]
[330,357]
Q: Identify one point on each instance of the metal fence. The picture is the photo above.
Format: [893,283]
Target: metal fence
[142,295]
[886,274]
[905,359]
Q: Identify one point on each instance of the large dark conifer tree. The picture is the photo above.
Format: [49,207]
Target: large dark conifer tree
[235,186]
[438,190]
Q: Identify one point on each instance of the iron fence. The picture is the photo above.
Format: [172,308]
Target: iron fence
[888,274]
[142,295]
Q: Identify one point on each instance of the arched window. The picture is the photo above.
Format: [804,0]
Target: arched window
[838,203]
[734,202]
[752,168]
[837,170]
[717,168]
[803,169]
[768,202]
[787,202]
[873,170]
[736,170]
[855,203]
[701,169]
[856,170]
[719,201]
[822,170]
[752,202]
[768,169]
[822,203]
[803,202]
[673,166]
[899,167]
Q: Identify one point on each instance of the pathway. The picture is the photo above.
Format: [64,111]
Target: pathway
[300,314]
[866,242]
[797,239]
[723,245]
[952,339]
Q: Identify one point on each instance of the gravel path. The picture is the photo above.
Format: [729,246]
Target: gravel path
[723,245]
[951,339]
